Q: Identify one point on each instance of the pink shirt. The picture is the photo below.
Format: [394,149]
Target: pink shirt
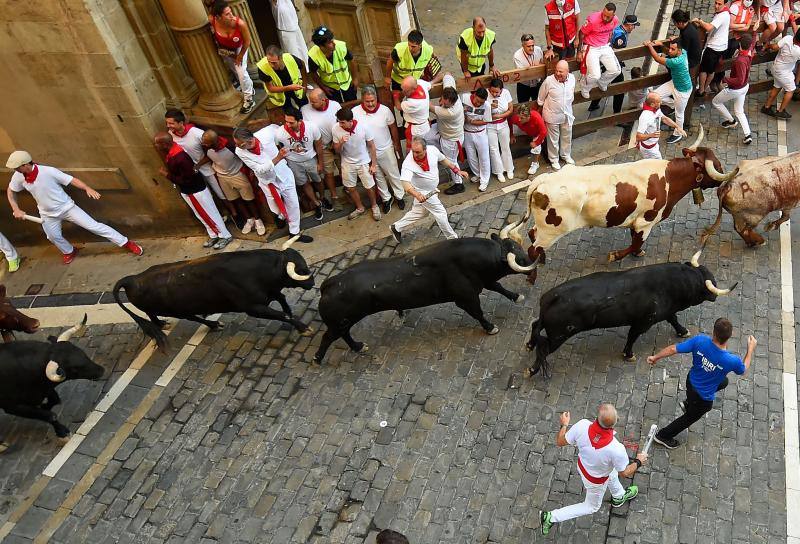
[596,32]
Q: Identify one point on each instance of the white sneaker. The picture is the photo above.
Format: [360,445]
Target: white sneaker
[474,179]
[534,168]
[248,226]
[376,213]
[568,160]
[586,93]
[501,178]
[510,175]
[482,188]
[260,228]
[555,165]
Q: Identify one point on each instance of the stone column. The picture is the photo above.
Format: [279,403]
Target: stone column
[189,23]
[242,9]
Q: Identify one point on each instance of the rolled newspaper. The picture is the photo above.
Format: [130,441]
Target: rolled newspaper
[33,218]
[650,436]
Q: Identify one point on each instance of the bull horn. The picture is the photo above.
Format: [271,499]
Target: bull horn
[699,139]
[504,232]
[70,332]
[512,262]
[714,174]
[288,243]
[716,290]
[54,372]
[290,266]
[513,232]
[696,259]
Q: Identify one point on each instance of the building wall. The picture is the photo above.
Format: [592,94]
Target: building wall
[79,93]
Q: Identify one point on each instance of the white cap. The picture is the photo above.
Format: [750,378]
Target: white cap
[17,159]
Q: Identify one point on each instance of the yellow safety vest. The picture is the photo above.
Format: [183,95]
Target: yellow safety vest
[334,73]
[476,56]
[407,65]
[279,99]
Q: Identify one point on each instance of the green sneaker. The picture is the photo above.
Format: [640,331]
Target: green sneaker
[547,521]
[630,493]
[13,265]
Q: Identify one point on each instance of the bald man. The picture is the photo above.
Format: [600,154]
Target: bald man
[321,112]
[415,107]
[649,131]
[602,459]
[555,98]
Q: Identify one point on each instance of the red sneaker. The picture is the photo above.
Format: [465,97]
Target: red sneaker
[133,247]
[69,257]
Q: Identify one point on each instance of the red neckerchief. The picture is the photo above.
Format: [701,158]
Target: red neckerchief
[472,99]
[423,163]
[598,436]
[222,143]
[418,93]
[366,109]
[30,177]
[352,129]
[186,128]
[327,103]
[295,136]
[174,150]
[646,107]
[747,53]
[256,146]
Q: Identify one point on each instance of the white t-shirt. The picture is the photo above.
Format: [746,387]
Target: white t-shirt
[500,104]
[323,120]
[192,143]
[262,165]
[788,55]
[718,39]
[521,60]
[598,462]
[285,15]
[416,110]
[556,99]
[224,161]
[378,124]
[480,113]
[413,173]
[354,151]
[47,190]
[650,122]
[300,149]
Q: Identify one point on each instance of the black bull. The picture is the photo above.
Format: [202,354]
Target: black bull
[240,281]
[449,271]
[30,372]
[638,298]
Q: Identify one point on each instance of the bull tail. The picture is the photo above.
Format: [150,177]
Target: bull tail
[721,193]
[148,327]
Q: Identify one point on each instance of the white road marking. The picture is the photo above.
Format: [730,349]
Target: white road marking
[98,314]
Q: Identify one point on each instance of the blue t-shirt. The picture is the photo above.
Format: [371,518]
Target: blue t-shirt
[710,364]
[619,38]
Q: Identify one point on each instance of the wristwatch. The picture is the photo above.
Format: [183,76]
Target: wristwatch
[549,47]
[638,463]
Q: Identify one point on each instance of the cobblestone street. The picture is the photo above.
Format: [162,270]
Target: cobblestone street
[251,443]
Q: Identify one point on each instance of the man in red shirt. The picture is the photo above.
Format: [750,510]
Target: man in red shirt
[738,85]
[531,123]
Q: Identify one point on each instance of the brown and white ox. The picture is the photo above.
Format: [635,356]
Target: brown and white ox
[759,188]
[635,195]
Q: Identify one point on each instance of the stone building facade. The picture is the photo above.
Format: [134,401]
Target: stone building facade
[86,83]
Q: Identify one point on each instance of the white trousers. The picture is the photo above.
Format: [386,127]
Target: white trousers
[449,149]
[8,248]
[738,96]
[593,500]
[387,168]
[213,184]
[476,144]
[594,57]
[500,148]
[245,83]
[671,96]
[52,229]
[204,209]
[559,141]
[652,153]
[292,41]
[419,210]
[289,196]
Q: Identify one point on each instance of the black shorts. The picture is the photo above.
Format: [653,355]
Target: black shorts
[710,59]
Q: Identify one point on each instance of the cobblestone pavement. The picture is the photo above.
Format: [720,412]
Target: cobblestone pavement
[250,443]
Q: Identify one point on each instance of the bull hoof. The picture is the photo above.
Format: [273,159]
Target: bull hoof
[630,358]
[528,373]
[3,447]
[640,253]
[612,257]
[520,298]
[361,347]
[532,276]
[494,331]
[684,334]
[307,332]
[62,440]
[529,346]
[218,325]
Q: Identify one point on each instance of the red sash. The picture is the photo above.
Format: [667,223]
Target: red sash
[593,479]
[583,60]
[203,214]
[276,196]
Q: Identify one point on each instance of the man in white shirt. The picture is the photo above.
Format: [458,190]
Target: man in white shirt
[649,131]
[259,152]
[420,175]
[354,142]
[303,140]
[716,44]
[415,107]
[555,98]
[190,138]
[289,33]
[788,55]
[602,459]
[477,114]
[448,132]
[528,56]
[46,186]
[321,112]
[381,122]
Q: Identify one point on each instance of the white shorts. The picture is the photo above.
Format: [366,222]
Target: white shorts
[351,173]
[783,80]
[774,14]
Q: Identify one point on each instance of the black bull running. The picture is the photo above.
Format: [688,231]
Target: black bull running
[638,298]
